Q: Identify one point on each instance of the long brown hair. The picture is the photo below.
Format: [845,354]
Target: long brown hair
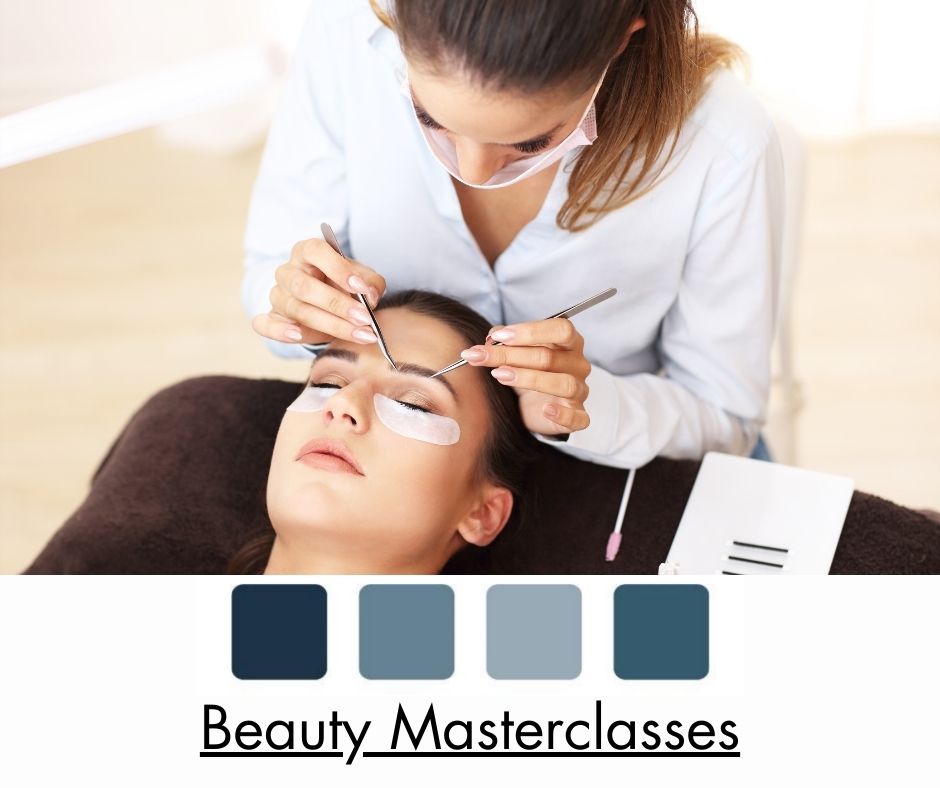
[527,46]
[508,449]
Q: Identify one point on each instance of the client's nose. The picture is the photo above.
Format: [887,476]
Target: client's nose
[347,409]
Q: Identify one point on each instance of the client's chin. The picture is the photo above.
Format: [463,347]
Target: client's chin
[320,502]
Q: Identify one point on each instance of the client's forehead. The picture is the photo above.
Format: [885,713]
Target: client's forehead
[413,338]
[420,345]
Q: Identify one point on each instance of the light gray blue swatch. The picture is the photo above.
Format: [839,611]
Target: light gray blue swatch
[406,631]
[533,631]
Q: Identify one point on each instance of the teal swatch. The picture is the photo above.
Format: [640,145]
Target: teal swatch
[661,631]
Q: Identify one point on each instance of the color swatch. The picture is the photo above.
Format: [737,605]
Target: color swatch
[279,631]
[661,631]
[406,631]
[533,631]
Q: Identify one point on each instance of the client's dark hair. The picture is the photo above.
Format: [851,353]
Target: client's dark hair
[508,449]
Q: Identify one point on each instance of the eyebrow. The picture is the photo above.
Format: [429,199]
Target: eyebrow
[530,141]
[403,369]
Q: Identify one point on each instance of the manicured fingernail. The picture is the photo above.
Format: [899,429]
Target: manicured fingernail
[294,334]
[364,335]
[504,375]
[503,334]
[551,411]
[473,354]
[358,284]
[359,315]
[373,297]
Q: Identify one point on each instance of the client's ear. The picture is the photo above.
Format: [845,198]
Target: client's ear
[482,524]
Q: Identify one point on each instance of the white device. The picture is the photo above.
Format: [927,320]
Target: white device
[749,517]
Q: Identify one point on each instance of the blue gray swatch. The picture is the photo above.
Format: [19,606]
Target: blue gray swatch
[533,631]
[661,631]
[279,631]
[406,631]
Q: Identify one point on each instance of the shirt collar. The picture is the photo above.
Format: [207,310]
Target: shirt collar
[386,43]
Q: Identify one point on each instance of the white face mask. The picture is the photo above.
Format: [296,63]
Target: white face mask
[446,152]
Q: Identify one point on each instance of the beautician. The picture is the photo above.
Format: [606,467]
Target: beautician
[519,157]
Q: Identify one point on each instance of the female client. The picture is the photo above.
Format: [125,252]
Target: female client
[378,470]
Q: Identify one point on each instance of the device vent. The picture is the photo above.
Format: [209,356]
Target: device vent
[750,558]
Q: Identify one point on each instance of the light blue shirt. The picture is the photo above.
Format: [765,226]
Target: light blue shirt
[681,355]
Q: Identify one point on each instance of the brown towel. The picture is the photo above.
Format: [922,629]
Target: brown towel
[182,488]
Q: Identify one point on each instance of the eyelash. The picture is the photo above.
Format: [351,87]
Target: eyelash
[410,405]
[532,146]
[427,120]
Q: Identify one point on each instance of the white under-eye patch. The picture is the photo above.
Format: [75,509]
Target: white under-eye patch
[411,423]
[311,399]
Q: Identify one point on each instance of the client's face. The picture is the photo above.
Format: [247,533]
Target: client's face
[378,471]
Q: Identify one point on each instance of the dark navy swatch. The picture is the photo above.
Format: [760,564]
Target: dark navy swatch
[661,631]
[279,631]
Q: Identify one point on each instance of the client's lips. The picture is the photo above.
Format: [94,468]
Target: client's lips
[329,455]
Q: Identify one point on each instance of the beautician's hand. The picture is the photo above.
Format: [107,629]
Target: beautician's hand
[544,362]
[314,298]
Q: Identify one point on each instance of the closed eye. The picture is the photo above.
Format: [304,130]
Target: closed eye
[533,146]
[403,403]
[412,406]
[529,146]
[427,120]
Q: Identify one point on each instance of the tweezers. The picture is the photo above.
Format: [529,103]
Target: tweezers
[330,237]
[571,311]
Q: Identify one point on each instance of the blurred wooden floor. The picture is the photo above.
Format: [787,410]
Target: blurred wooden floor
[121,264]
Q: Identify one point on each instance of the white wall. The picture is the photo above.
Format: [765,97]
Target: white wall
[834,67]
[51,49]
[837,67]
